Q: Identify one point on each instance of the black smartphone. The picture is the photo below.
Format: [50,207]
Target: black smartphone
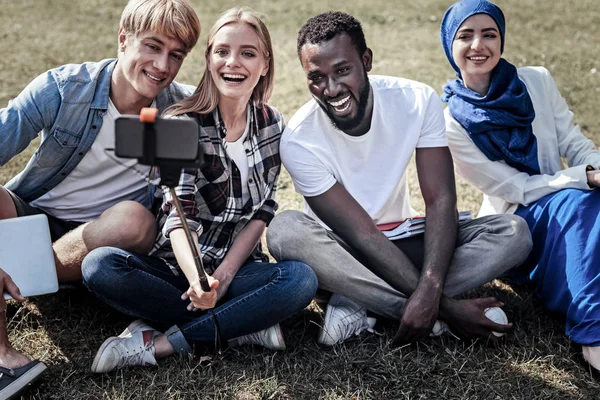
[175,140]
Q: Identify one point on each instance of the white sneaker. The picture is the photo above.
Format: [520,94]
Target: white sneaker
[343,318]
[116,352]
[135,326]
[271,338]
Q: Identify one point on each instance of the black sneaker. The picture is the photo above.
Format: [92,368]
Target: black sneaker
[13,381]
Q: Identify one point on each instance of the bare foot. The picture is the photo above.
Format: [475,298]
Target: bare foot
[11,358]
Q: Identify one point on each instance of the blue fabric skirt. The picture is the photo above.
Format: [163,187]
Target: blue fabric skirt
[564,265]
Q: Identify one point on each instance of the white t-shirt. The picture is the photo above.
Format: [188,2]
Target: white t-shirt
[236,151]
[99,181]
[371,167]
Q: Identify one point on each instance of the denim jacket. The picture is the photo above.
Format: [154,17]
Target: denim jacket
[67,105]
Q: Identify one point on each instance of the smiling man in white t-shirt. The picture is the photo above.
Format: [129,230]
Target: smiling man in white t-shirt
[347,151]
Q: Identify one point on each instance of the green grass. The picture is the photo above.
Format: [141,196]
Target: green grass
[535,361]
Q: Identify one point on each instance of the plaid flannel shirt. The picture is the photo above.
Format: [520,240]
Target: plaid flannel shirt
[211,196]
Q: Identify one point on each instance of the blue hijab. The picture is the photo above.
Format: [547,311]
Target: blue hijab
[499,123]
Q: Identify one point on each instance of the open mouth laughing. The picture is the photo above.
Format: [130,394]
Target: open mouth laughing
[340,105]
[233,78]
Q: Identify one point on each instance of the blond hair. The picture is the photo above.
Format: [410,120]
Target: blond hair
[206,97]
[173,18]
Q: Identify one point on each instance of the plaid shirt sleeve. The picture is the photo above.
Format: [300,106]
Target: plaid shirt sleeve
[267,211]
[186,193]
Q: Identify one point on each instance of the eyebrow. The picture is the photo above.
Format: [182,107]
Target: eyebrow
[157,40]
[340,63]
[317,71]
[490,29]
[245,46]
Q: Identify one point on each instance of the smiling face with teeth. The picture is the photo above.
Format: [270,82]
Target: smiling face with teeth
[148,62]
[337,78]
[476,50]
[236,61]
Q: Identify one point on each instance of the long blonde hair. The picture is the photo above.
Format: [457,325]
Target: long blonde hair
[206,97]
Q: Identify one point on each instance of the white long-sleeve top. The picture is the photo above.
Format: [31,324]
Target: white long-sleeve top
[558,138]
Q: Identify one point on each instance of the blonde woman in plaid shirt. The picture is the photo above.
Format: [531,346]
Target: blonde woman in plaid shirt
[228,204]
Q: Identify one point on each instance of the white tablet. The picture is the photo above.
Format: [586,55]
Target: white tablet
[26,254]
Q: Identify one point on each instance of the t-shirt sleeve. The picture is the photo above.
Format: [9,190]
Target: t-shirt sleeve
[310,176]
[433,132]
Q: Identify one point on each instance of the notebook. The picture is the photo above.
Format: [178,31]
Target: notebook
[413,226]
[26,254]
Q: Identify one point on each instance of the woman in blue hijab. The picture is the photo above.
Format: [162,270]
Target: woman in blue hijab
[508,130]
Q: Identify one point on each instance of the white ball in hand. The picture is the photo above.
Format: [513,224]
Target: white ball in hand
[498,316]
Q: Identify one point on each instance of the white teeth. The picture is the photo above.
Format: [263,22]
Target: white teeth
[233,76]
[339,103]
[477,58]
[154,78]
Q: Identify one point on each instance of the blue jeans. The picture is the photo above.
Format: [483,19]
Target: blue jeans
[260,295]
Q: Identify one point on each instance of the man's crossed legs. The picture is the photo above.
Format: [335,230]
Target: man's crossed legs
[485,249]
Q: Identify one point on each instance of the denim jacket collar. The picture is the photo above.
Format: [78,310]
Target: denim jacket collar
[102,93]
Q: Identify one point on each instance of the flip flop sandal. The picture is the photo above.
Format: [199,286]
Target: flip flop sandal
[14,380]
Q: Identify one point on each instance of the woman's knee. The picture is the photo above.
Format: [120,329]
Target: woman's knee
[302,281]
[98,268]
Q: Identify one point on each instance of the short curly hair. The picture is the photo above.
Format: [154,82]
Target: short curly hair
[325,26]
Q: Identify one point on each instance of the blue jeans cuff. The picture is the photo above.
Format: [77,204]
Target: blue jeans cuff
[177,340]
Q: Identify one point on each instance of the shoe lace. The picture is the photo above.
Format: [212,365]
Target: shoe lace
[354,324]
[135,356]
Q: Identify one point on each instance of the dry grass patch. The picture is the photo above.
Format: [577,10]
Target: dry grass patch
[536,361]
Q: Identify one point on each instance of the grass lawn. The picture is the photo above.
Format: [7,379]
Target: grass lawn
[535,361]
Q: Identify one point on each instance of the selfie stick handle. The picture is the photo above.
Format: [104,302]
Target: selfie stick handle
[148,116]
[197,259]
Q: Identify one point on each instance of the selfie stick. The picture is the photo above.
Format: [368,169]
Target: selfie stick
[170,178]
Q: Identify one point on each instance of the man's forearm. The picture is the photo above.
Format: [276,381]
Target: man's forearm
[441,227]
[386,260]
